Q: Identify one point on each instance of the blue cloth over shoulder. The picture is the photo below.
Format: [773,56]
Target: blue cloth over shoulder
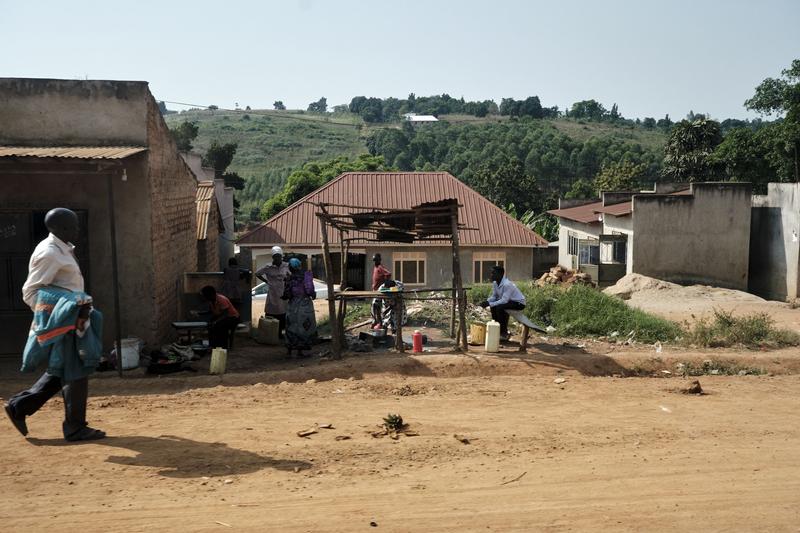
[53,339]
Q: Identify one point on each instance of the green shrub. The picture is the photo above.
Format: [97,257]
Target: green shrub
[584,311]
[725,329]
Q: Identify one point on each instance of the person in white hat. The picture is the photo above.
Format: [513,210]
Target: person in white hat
[275,275]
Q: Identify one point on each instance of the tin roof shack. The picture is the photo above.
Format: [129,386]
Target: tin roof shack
[208,228]
[685,233]
[775,242]
[496,238]
[77,144]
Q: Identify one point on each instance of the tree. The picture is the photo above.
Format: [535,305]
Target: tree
[649,123]
[277,105]
[589,110]
[183,134]
[744,155]
[620,176]
[581,189]
[665,123]
[320,106]
[688,151]
[219,157]
[505,183]
[213,108]
[314,175]
[782,96]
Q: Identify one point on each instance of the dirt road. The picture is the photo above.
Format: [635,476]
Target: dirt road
[593,453]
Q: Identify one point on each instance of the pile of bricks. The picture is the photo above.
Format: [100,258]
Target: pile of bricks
[560,275]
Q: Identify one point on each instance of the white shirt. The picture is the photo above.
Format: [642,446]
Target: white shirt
[505,292]
[52,263]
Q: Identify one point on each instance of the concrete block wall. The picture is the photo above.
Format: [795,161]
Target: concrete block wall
[699,238]
[173,220]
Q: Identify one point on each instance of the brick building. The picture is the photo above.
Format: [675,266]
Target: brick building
[77,144]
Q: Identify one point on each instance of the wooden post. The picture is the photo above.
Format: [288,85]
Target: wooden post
[398,315]
[115,272]
[458,285]
[453,313]
[336,346]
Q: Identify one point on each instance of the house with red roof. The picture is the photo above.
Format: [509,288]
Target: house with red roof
[684,233]
[490,236]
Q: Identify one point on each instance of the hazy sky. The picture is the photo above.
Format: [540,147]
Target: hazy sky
[650,57]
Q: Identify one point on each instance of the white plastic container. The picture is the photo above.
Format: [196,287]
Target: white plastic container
[492,336]
[219,359]
[130,353]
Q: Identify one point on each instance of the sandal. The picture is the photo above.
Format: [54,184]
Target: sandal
[86,433]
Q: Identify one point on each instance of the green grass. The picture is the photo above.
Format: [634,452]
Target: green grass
[272,143]
[753,331]
[356,312]
[582,311]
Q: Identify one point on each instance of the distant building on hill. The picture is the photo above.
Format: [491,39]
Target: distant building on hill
[413,117]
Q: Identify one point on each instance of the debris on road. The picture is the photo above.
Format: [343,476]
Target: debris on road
[694,388]
[307,432]
[462,439]
[515,479]
[559,381]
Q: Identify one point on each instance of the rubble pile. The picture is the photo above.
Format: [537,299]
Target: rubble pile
[560,275]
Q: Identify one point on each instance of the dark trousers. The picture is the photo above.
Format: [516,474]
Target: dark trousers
[219,332]
[75,393]
[499,314]
[281,318]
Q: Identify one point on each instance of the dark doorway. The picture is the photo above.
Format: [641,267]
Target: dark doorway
[20,232]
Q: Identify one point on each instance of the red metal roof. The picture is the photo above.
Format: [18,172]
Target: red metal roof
[620,210]
[298,224]
[586,213]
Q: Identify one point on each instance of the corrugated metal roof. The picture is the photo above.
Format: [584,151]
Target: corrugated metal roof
[619,210]
[205,193]
[72,152]
[298,224]
[586,213]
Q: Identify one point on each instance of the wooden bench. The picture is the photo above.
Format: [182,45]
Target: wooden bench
[527,326]
[189,327]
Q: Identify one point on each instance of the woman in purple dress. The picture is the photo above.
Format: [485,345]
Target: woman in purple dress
[301,324]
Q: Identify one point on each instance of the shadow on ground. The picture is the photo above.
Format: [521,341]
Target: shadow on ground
[177,457]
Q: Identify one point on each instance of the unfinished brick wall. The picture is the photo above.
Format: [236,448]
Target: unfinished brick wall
[174,221]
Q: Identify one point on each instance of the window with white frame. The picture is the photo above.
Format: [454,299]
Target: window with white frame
[482,263]
[572,243]
[409,267]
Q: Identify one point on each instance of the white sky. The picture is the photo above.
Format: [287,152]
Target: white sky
[650,57]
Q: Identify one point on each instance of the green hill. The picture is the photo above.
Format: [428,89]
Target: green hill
[272,143]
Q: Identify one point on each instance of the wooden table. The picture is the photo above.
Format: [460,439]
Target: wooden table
[189,327]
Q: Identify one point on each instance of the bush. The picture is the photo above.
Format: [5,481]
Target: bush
[754,331]
[585,311]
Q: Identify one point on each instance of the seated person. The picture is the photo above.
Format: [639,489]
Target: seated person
[224,317]
[505,295]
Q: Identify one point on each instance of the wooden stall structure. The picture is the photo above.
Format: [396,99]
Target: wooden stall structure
[432,221]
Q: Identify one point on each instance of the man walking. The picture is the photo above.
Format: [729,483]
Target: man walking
[505,296]
[53,270]
[275,275]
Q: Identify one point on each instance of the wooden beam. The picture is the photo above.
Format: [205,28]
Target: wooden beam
[459,286]
[336,346]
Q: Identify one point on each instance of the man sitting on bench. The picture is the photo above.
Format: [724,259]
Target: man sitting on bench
[505,296]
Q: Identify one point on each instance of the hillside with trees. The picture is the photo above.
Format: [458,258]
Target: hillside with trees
[520,154]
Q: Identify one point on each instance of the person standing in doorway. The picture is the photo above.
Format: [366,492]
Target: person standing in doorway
[275,275]
[505,296]
[380,275]
[54,290]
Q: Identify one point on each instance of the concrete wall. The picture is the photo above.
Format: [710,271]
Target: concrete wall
[173,220]
[42,112]
[699,238]
[774,242]
[42,192]
[583,231]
